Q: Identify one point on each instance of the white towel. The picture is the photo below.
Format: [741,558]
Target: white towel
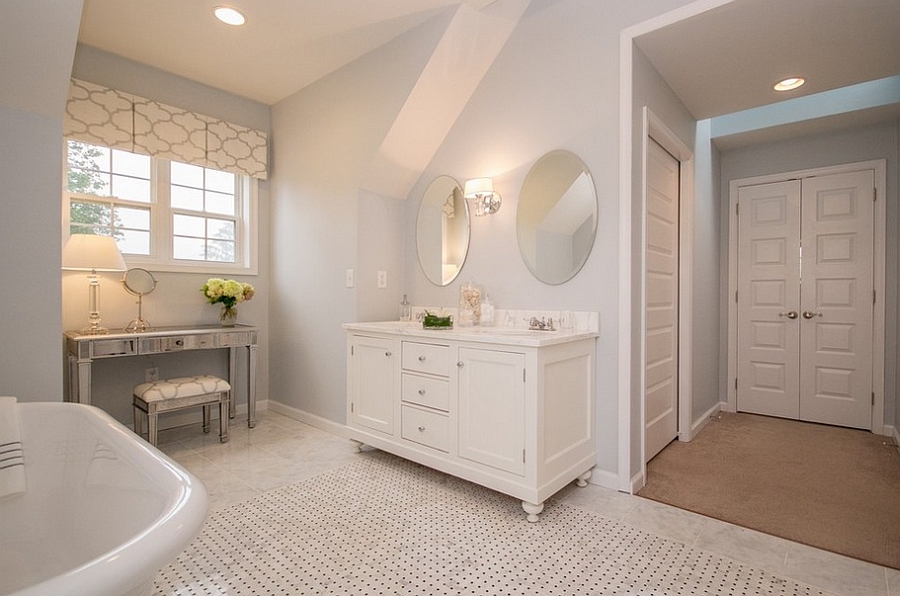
[12,462]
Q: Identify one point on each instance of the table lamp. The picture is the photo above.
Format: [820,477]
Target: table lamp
[87,252]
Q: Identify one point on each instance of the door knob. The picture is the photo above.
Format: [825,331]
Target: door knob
[790,314]
[808,314]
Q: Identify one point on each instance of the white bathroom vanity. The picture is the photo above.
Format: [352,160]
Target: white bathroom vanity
[506,408]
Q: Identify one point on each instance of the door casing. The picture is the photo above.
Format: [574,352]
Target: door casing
[879,167]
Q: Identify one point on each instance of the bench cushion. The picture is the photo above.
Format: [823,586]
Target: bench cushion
[180,387]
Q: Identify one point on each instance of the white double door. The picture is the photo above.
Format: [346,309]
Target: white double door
[805,299]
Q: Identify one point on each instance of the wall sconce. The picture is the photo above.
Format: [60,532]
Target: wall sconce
[481,192]
[86,252]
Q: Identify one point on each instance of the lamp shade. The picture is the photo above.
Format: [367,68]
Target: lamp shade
[478,186]
[87,252]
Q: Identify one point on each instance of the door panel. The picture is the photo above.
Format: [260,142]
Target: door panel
[661,310]
[768,294]
[805,325]
[836,374]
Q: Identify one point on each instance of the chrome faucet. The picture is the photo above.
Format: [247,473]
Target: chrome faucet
[541,324]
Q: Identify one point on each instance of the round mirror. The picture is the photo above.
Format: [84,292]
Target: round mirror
[442,231]
[556,219]
[139,281]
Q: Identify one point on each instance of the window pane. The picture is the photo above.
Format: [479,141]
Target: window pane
[188,225]
[90,157]
[187,198]
[186,175]
[220,250]
[84,229]
[133,218]
[222,204]
[220,181]
[132,189]
[95,214]
[134,242]
[88,182]
[189,248]
[220,228]
[131,164]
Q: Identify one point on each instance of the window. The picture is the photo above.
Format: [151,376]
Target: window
[162,213]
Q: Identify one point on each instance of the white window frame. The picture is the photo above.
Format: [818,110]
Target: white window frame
[161,224]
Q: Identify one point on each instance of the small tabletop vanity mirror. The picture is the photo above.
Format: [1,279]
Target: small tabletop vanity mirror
[442,231]
[556,220]
[139,282]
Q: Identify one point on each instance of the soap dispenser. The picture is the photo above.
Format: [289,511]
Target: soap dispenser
[405,311]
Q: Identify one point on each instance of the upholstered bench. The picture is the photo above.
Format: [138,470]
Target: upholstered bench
[177,394]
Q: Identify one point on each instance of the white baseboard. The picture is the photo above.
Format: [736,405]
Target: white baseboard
[325,424]
[893,432]
[604,479]
[637,482]
[705,418]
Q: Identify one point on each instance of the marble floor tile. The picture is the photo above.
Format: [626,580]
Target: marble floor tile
[282,451]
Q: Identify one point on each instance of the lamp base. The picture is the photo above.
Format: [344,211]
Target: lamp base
[138,326]
[93,330]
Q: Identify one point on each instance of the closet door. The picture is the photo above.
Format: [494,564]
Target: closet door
[769,299]
[837,299]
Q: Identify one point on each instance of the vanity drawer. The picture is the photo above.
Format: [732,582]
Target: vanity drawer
[432,359]
[113,347]
[431,429]
[425,391]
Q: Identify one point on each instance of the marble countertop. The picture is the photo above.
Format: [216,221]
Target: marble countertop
[510,336]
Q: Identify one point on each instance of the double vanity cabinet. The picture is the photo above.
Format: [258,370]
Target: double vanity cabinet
[510,409]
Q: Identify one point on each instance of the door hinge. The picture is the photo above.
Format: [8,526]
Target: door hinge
[735,295]
[735,383]
[873,398]
[523,375]
[874,194]
[737,208]
[523,456]
[874,296]
[351,350]
[351,407]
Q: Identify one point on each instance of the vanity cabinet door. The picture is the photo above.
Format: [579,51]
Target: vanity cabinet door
[492,408]
[371,383]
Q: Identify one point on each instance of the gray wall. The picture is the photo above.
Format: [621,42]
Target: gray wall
[37,42]
[553,86]
[834,148]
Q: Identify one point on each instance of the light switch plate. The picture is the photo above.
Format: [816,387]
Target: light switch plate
[382,279]
[349,278]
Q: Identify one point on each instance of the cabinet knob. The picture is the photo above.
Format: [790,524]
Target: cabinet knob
[421,358]
[388,354]
[459,364]
[421,429]
[421,392]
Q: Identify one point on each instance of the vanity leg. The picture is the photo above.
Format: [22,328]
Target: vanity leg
[359,445]
[582,480]
[532,510]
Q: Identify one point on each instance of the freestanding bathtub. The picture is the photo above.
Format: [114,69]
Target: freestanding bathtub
[103,510]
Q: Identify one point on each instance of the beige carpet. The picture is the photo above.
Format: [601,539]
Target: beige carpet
[834,488]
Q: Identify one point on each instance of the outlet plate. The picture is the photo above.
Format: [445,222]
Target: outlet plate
[382,279]
[151,374]
[349,278]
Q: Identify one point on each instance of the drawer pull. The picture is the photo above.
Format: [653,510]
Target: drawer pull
[421,429]
[388,354]
[179,342]
[460,364]
[421,358]
[421,392]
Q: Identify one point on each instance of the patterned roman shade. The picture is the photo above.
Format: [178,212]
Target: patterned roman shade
[102,116]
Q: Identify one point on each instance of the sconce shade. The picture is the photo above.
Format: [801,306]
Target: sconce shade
[478,186]
[87,252]
[481,192]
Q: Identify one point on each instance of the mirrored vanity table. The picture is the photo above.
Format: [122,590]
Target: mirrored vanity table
[82,350]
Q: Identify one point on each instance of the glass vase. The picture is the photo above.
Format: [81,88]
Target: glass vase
[228,318]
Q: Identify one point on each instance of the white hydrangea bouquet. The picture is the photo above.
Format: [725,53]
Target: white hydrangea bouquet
[230,293]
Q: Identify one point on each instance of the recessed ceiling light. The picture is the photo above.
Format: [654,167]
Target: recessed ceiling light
[788,84]
[229,16]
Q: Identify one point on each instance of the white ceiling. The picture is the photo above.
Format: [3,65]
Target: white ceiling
[727,59]
[284,46]
[718,62]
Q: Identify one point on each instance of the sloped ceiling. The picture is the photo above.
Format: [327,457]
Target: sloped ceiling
[284,46]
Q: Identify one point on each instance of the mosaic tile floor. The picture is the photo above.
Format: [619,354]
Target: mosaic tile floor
[368,523]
